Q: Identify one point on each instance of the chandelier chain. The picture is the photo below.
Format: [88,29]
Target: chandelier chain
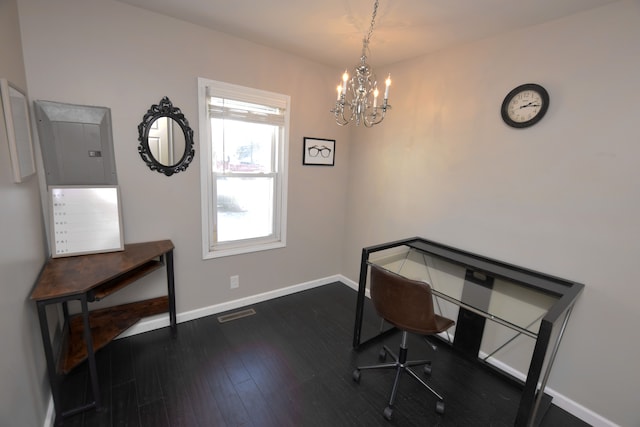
[373,21]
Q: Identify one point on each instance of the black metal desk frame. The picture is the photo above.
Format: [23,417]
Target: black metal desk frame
[567,292]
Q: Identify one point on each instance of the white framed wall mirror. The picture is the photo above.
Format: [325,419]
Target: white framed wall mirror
[16,116]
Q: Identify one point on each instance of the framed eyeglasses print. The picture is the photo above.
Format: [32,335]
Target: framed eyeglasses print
[318,151]
[16,116]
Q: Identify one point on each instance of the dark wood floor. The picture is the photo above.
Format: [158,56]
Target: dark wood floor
[290,364]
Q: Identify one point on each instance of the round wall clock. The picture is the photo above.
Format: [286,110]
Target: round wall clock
[525,105]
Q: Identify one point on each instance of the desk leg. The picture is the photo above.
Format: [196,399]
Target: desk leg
[362,287]
[547,372]
[91,356]
[470,325]
[469,330]
[525,409]
[51,366]
[172,293]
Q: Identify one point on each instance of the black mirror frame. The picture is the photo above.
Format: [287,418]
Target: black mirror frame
[165,109]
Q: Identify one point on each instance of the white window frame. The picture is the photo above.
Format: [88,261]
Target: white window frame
[210,248]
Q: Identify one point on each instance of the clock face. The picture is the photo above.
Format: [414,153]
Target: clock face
[525,105]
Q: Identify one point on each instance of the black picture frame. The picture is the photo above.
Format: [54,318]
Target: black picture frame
[318,151]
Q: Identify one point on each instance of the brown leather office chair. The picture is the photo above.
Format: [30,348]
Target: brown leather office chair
[408,305]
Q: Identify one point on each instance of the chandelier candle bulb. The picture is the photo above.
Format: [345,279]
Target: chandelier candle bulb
[339,92]
[375,98]
[345,77]
[386,90]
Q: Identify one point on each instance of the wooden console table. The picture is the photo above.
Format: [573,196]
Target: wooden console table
[89,278]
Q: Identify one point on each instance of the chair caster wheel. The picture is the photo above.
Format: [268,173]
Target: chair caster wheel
[382,356]
[427,369]
[356,375]
[440,407]
[387,413]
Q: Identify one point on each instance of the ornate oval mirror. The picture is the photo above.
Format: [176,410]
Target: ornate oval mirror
[166,140]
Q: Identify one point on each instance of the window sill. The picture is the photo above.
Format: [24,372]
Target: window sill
[238,250]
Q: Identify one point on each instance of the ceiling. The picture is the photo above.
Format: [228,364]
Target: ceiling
[331,31]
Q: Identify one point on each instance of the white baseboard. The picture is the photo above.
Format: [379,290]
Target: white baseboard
[561,401]
[162,321]
[50,416]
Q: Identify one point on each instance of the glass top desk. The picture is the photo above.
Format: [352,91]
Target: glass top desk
[527,311]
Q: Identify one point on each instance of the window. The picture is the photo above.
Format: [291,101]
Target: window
[243,144]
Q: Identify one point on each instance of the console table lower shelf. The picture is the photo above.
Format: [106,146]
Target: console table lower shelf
[106,324]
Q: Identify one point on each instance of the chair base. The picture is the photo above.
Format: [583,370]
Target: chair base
[401,365]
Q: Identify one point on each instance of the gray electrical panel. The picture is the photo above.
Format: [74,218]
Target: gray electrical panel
[77,144]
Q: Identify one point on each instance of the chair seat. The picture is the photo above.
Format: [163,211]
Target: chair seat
[441,325]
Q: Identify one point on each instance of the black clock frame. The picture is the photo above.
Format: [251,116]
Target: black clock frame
[543,110]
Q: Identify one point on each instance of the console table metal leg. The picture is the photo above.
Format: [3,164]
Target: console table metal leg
[91,357]
[172,293]
[51,366]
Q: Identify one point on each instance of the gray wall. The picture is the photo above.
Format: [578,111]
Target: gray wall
[149,56]
[23,393]
[561,197]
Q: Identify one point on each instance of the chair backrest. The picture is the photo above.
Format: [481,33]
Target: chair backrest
[405,303]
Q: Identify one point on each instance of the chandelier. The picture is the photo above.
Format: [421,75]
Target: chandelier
[358,97]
